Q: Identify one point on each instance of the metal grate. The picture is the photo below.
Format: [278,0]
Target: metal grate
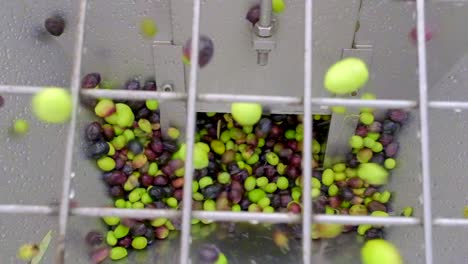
[192,97]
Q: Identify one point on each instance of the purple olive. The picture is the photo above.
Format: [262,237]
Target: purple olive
[253,15]
[378,158]
[235,196]
[397,115]
[2,101]
[150,155]
[168,190]
[233,168]
[374,233]
[385,139]
[146,180]
[99,255]
[295,160]
[376,126]
[244,204]
[293,145]
[94,238]
[370,191]
[127,169]
[270,143]
[125,242]
[212,191]
[154,118]
[142,113]
[108,132]
[347,194]
[376,206]
[164,158]
[118,178]
[275,201]
[150,86]
[276,132]
[91,80]
[119,163]
[133,85]
[361,131]
[97,150]
[178,194]
[55,25]
[150,234]
[318,208]
[334,202]
[116,191]
[285,153]
[135,146]
[294,208]
[93,131]
[284,200]
[205,50]
[278,118]
[170,146]
[157,146]
[269,171]
[292,172]
[156,193]
[263,128]
[391,149]
[139,229]
[390,127]
[161,180]
[160,205]
[259,171]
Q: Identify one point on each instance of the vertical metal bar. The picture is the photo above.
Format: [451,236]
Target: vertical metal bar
[75,89]
[265,13]
[307,150]
[423,111]
[190,137]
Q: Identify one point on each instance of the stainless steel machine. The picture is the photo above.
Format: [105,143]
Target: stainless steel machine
[281,64]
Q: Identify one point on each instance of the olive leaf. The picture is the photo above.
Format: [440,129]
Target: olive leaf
[43,246]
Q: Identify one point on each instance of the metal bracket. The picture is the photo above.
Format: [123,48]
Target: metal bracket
[342,126]
[170,77]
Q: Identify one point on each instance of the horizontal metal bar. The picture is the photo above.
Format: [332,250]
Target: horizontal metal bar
[221,216]
[448,105]
[19,89]
[247,217]
[26,209]
[133,95]
[380,103]
[229,98]
[451,222]
[138,213]
[373,220]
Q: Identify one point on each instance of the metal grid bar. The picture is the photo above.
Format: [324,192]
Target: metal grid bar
[25,209]
[67,171]
[307,143]
[190,138]
[451,222]
[229,98]
[424,120]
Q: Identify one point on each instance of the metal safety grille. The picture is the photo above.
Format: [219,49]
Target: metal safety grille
[192,98]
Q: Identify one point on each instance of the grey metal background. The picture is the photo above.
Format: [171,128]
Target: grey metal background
[33,165]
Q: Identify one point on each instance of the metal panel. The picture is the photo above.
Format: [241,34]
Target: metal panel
[234,66]
[114,45]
